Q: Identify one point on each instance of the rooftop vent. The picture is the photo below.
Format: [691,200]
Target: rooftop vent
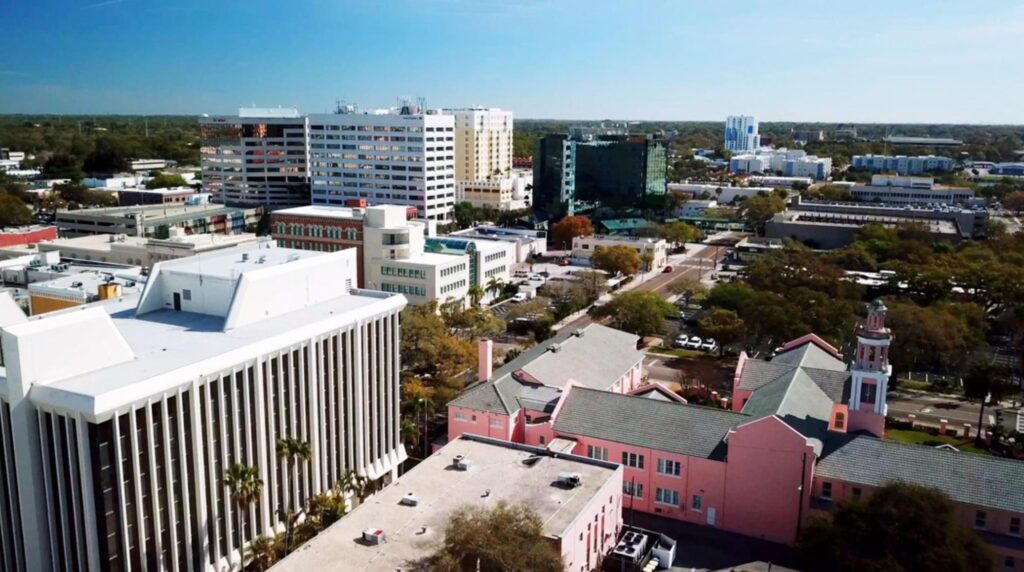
[570,480]
[579,332]
[245,257]
[461,463]
[532,460]
[373,536]
[555,348]
[410,500]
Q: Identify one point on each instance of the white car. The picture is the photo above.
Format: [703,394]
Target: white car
[536,278]
[694,343]
[519,297]
[709,345]
[681,341]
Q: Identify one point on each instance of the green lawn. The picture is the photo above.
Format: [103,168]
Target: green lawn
[922,438]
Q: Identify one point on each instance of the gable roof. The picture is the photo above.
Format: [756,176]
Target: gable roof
[967,478]
[594,356]
[797,401]
[809,354]
[650,423]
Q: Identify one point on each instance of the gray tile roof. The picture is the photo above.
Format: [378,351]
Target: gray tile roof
[810,355]
[650,423]
[967,478]
[758,373]
[594,356]
[797,401]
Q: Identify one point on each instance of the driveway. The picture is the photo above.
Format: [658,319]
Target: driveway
[705,548]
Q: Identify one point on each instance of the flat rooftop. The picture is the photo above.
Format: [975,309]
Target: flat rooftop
[167,214]
[497,473]
[325,211]
[88,282]
[234,262]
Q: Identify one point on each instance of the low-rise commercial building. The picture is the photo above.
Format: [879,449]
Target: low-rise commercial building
[583,247]
[775,182]
[158,220]
[902,164]
[751,248]
[578,500]
[527,243]
[144,252]
[503,193]
[82,288]
[829,229]
[696,207]
[724,194]
[1007,169]
[26,235]
[169,196]
[901,190]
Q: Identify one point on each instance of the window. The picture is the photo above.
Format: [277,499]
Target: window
[980,519]
[695,505]
[599,453]
[541,440]
[666,496]
[635,490]
[855,493]
[826,490]
[186,294]
[1015,525]
[840,421]
[667,467]
[460,416]
[1010,563]
[633,460]
[496,422]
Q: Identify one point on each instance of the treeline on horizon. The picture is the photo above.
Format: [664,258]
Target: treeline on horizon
[176,137]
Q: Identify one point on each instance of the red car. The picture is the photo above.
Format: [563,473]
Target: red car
[667,270]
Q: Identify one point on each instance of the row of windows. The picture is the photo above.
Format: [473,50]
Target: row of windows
[456,269]
[316,231]
[494,256]
[403,272]
[495,271]
[382,128]
[403,289]
[453,286]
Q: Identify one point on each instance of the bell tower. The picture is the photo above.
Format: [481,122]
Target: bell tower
[870,372]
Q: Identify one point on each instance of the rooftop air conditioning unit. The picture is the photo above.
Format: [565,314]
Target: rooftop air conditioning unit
[571,480]
[410,500]
[461,463]
[373,536]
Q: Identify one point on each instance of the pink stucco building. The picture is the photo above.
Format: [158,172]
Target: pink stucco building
[804,431]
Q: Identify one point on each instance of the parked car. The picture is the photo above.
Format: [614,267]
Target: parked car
[519,297]
[681,341]
[709,345]
[563,262]
[667,270]
[694,343]
[536,278]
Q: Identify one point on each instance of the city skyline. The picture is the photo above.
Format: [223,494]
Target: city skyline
[914,62]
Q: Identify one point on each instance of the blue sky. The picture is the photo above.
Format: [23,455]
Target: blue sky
[888,61]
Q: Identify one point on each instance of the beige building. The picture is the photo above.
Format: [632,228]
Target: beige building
[584,246]
[504,193]
[483,143]
[138,251]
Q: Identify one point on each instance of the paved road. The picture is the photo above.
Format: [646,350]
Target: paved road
[695,267]
[930,409]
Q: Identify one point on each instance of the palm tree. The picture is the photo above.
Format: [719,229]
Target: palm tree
[292,450]
[475,293]
[246,487]
[495,285]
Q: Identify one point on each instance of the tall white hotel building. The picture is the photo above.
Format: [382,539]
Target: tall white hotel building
[398,157]
[118,420]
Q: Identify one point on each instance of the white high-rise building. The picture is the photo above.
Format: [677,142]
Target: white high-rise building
[483,143]
[404,157]
[118,420]
[741,134]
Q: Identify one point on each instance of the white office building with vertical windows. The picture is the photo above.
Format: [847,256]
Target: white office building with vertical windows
[403,157]
[118,419]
